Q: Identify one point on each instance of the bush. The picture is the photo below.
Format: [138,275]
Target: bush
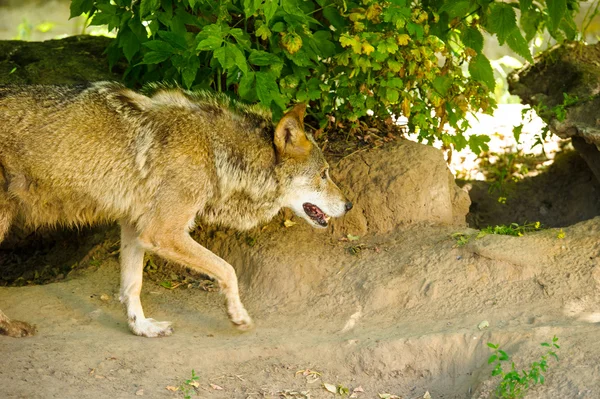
[363,61]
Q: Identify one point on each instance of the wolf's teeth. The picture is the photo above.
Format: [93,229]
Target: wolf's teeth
[327,218]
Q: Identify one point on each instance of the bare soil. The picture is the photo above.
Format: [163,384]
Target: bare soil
[396,312]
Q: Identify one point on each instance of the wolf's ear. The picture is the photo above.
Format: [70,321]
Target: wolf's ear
[290,139]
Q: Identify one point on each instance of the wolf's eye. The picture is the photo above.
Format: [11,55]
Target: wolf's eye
[324,174]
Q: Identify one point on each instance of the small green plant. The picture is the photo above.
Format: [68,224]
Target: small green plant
[513,229]
[461,238]
[514,383]
[188,387]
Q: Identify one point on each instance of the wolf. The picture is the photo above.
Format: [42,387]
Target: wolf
[158,162]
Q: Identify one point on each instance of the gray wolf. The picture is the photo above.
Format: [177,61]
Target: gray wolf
[157,163]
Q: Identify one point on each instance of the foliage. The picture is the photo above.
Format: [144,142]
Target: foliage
[513,229]
[363,60]
[558,112]
[514,383]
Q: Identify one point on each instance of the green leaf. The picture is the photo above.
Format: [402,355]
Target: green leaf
[556,12]
[78,7]
[517,43]
[101,19]
[492,359]
[351,41]
[269,9]
[210,43]
[155,57]
[107,8]
[442,84]
[395,83]
[174,39]
[291,7]
[530,23]
[502,21]
[266,87]
[415,30]
[250,7]
[263,58]
[392,95]
[245,88]
[189,75]
[278,27]
[481,70]
[525,5]
[478,143]
[241,37]
[263,32]
[129,42]
[472,38]
[159,46]
[517,132]
[148,6]
[324,43]
[230,56]
[239,57]
[456,8]
[225,56]
[569,27]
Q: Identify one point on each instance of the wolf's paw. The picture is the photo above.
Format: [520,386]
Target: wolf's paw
[16,329]
[150,328]
[241,319]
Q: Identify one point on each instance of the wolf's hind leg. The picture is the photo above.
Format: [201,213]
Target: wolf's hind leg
[132,268]
[12,328]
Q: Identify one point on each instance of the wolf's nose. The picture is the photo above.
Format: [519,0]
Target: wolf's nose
[348,206]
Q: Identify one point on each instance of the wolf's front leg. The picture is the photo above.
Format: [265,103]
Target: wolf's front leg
[132,268]
[181,248]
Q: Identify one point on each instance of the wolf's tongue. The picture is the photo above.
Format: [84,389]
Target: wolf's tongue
[315,213]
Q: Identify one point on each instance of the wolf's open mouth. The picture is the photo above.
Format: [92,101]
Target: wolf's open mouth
[316,214]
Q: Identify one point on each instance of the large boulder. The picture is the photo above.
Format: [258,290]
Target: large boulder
[571,69]
[75,59]
[564,86]
[399,184]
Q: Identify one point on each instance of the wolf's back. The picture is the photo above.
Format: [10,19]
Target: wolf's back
[65,154]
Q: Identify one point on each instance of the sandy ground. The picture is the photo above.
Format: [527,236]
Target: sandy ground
[401,317]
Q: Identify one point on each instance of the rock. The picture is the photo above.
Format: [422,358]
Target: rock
[75,59]
[572,71]
[398,184]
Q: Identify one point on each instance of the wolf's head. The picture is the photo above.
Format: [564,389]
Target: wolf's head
[304,173]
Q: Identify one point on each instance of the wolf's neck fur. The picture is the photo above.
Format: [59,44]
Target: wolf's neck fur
[246,195]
